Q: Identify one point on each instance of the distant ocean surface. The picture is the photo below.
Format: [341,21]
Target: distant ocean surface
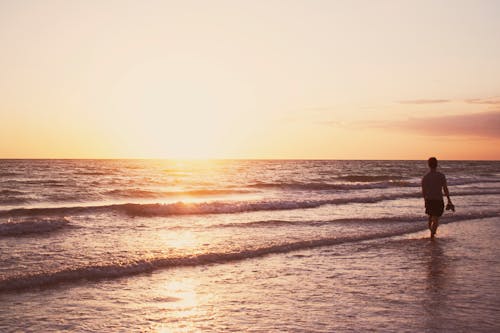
[257,245]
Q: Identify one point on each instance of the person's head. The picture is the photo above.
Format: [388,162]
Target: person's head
[433,162]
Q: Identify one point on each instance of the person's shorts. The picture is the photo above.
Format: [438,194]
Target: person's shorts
[434,207]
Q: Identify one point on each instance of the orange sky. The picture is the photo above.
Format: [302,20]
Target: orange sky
[250,79]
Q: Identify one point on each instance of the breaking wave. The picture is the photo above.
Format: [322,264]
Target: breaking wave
[117,270]
[320,186]
[231,207]
[29,227]
[388,219]
[370,178]
[8,174]
[93,173]
[11,192]
[138,193]
[135,267]
[199,208]
[214,207]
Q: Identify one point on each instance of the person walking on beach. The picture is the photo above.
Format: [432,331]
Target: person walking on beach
[433,186]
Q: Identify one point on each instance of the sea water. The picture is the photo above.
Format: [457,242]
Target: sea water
[158,245]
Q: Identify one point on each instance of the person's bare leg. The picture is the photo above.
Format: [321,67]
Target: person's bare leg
[434,225]
[431,226]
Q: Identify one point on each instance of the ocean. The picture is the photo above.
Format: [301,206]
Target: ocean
[245,245]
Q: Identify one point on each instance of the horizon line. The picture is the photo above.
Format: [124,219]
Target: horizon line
[232,159]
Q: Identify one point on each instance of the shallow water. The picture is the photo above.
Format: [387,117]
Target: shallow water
[397,284]
[245,246]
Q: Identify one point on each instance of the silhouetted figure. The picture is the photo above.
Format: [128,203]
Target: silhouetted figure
[433,186]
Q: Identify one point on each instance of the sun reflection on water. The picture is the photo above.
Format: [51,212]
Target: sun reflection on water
[180,240]
[181,306]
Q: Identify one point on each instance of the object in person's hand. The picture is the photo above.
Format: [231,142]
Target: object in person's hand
[450,206]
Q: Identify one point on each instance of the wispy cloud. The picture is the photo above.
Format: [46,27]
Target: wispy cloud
[424,101]
[334,123]
[320,108]
[485,124]
[487,101]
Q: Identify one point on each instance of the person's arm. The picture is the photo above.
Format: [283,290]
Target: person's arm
[445,189]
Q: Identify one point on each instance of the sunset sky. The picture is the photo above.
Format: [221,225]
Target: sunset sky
[250,79]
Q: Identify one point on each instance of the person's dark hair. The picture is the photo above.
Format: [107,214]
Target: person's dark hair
[433,162]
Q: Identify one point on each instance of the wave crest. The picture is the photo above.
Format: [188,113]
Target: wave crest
[217,207]
[370,178]
[375,220]
[117,270]
[28,227]
[220,207]
[139,193]
[354,185]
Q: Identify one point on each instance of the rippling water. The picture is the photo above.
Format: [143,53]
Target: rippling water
[238,245]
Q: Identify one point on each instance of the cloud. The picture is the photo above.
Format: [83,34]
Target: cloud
[485,124]
[320,108]
[484,101]
[424,101]
[334,123]
[487,101]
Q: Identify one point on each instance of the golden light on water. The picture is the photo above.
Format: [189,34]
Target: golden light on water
[181,304]
[182,240]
